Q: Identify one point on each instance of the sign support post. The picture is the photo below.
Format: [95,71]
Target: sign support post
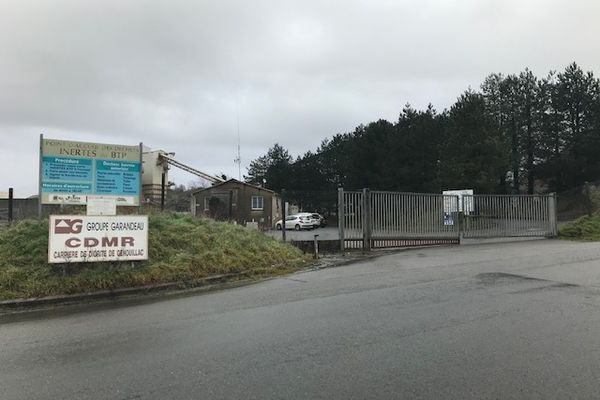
[140,208]
[40,176]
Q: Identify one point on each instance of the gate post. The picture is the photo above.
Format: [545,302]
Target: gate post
[340,215]
[459,222]
[552,213]
[366,219]
[10,205]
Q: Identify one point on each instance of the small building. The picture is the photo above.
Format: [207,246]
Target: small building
[238,202]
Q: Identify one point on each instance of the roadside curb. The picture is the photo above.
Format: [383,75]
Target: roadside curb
[173,289]
[204,283]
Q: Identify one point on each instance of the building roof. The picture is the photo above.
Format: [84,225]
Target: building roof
[233,181]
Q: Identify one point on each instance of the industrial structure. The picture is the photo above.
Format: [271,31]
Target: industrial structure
[155,178]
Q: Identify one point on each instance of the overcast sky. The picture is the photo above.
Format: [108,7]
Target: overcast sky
[174,74]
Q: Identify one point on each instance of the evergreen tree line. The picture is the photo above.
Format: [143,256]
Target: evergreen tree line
[517,134]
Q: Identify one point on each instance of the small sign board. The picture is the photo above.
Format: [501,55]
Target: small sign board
[448,219]
[450,202]
[80,238]
[98,205]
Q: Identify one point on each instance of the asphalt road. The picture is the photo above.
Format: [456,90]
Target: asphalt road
[490,321]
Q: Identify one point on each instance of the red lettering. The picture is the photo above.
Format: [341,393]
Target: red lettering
[110,242]
[90,242]
[104,242]
[72,242]
[127,240]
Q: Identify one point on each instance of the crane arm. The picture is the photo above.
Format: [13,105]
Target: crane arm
[187,168]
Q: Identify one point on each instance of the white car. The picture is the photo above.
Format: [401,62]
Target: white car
[297,222]
[314,218]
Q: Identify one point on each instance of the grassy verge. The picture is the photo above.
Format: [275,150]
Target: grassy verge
[584,228]
[181,248]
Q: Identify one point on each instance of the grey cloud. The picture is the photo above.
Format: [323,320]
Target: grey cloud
[174,74]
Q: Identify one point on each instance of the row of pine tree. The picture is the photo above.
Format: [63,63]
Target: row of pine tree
[518,134]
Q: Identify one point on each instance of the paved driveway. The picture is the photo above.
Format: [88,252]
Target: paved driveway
[489,321]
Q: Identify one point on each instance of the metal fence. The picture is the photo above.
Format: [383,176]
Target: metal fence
[487,216]
[4,220]
[375,219]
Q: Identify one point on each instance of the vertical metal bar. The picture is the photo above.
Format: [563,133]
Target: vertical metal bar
[402,216]
[340,217]
[464,226]
[422,216]
[283,222]
[141,188]
[423,201]
[493,211]
[396,207]
[40,176]
[384,215]
[388,214]
[457,221]
[356,213]
[544,222]
[378,202]
[413,213]
[497,205]
[366,220]
[545,213]
[162,191]
[552,214]
[531,217]
[10,205]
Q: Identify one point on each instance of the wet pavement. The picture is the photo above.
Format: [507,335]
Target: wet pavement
[517,320]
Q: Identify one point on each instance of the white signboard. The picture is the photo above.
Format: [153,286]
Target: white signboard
[98,205]
[450,205]
[80,238]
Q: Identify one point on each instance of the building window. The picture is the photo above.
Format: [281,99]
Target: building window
[206,203]
[257,202]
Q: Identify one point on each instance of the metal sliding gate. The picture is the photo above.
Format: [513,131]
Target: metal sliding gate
[376,219]
[370,219]
[487,216]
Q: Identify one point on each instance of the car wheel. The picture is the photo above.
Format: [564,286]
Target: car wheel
[297,227]
[278,227]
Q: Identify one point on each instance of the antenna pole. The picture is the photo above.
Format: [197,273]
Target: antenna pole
[238,159]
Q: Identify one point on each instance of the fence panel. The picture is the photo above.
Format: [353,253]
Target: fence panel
[351,219]
[487,216]
[381,219]
[412,219]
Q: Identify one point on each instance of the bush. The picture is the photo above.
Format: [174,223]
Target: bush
[584,228]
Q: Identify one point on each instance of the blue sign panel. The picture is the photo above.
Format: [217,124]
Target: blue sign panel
[118,178]
[66,169]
